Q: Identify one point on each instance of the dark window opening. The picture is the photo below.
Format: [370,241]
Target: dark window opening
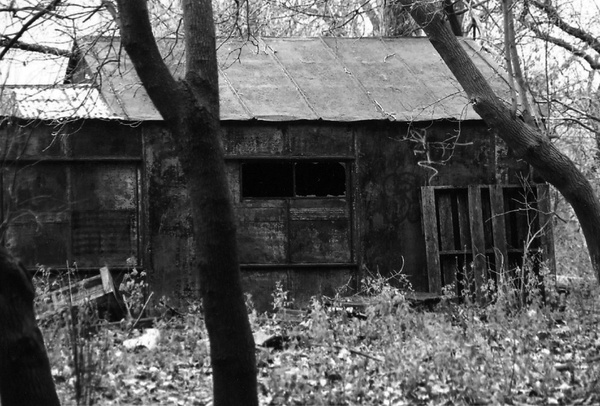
[267,179]
[320,179]
[278,179]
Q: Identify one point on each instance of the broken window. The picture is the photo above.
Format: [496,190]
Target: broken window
[280,179]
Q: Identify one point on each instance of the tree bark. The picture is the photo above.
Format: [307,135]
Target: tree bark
[25,377]
[527,142]
[190,109]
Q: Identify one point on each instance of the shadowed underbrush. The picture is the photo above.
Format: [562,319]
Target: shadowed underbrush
[382,352]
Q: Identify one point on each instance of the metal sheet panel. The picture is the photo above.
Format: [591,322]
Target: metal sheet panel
[289,79]
[441,96]
[54,103]
[261,84]
[327,85]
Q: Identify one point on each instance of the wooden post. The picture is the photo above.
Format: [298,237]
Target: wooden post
[430,228]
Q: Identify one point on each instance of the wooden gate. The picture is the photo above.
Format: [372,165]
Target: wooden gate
[484,231]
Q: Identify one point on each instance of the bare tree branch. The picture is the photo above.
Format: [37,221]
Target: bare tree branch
[594,64]
[4,41]
[50,7]
[559,22]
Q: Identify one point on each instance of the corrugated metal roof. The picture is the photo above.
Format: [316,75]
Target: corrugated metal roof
[280,79]
[54,103]
[333,79]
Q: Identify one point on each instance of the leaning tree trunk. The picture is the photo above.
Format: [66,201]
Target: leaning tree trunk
[25,377]
[190,109]
[527,142]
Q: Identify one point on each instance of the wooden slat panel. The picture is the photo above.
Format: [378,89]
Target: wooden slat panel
[446,229]
[499,228]
[449,264]
[430,230]
[464,227]
[545,217]
[477,240]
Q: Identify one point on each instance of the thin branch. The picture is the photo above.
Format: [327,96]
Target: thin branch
[50,7]
[565,45]
[583,113]
[559,22]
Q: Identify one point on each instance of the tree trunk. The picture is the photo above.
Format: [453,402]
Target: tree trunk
[190,109]
[25,377]
[527,142]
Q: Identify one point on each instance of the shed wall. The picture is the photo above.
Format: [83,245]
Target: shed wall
[104,191]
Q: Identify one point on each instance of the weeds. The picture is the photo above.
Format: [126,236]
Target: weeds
[509,351]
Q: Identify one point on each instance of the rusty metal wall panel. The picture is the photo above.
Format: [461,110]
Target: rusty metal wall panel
[319,209]
[38,188]
[89,216]
[253,140]
[30,140]
[104,187]
[103,237]
[262,212]
[42,242]
[95,138]
[262,231]
[320,140]
[325,241]
[262,242]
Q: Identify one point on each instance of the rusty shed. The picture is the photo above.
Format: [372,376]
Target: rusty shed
[344,156]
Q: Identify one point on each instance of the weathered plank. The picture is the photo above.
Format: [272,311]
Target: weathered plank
[449,265]
[430,229]
[444,208]
[499,229]
[477,240]
[76,294]
[464,227]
